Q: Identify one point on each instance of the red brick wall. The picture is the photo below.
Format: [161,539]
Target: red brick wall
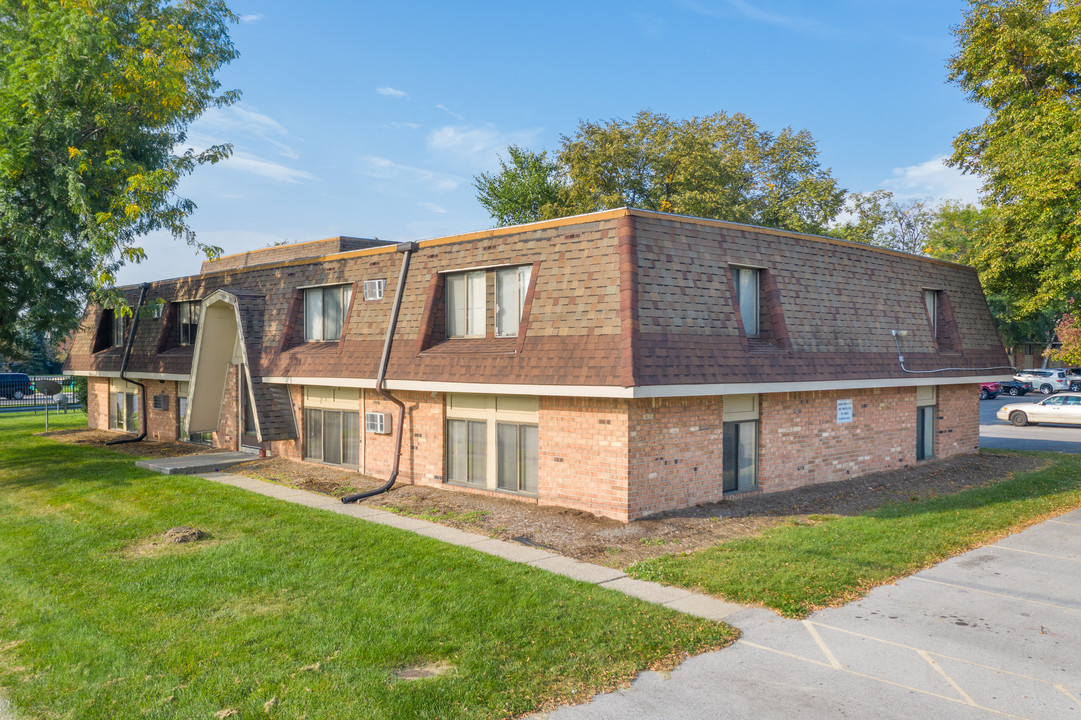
[97,403]
[584,455]
[161,425]
[958,420]
[293,449]
[422,442]
[801,441]
[675,453]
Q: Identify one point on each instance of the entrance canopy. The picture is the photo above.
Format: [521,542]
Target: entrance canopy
[230,333]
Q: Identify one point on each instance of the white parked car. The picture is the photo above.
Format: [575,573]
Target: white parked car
[1046,381]
[1064,409]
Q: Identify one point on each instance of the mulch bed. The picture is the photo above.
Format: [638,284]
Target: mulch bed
[581,535]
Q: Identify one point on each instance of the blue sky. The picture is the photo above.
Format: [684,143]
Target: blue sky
[371,119]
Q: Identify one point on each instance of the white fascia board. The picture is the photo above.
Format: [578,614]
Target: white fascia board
[137,375]
[652,391]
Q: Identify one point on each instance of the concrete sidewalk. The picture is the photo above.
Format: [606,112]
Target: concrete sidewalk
[678,599]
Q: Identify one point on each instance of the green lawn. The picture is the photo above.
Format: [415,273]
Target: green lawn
[798,568]
[285,611]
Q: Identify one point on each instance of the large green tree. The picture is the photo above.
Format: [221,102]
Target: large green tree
[721,166]
[877,218]
[1021,61]
[529,187]
[95,99]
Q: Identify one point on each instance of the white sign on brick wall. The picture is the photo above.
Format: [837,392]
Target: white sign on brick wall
[844,411]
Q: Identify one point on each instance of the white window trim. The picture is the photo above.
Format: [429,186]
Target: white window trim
[322,321]
[485,409]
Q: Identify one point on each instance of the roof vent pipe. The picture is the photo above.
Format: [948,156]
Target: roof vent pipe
[124,368]
[407,250]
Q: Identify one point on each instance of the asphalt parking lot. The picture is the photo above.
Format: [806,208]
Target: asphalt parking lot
[995,433]
[990,634]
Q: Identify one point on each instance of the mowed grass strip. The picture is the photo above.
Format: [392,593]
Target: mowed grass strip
[283,611]
[798,568]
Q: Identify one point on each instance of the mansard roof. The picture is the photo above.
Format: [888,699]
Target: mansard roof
[617,300]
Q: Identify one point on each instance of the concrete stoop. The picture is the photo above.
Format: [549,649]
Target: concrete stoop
[195,464]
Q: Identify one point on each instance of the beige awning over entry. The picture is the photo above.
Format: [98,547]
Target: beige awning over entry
[230,333]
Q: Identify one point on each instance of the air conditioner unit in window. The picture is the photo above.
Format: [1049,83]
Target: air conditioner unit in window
[377,422]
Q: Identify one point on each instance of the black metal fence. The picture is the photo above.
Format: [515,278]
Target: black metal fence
[19,397]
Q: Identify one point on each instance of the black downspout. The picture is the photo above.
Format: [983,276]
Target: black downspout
[124,368]
[407,249]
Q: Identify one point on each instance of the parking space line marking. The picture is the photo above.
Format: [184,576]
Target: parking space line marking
[1066,691]
[1032,552]
[938,668]
[944,656]
[822,645]
[1003,595]
[782,652]
[947,698]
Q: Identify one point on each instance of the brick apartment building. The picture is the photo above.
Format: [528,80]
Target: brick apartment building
[623,362]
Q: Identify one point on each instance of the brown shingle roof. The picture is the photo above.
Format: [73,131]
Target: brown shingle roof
[619,298]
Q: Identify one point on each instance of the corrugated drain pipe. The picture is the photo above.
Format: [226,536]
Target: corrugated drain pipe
[124,368]
[407,250]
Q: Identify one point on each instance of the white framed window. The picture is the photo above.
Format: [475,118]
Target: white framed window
[930,300]
[124,406]
[517,458]
[324,312]
[465,293]
[466,296]
[119,325]
[332,436]
[187,314]
[373,289]
[747,293]
[492,442]
[510,289]
[739,464]
[467,451]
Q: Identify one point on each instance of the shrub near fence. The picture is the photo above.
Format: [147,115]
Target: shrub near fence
[35,400]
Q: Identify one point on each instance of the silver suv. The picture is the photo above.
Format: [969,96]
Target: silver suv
[1046,381]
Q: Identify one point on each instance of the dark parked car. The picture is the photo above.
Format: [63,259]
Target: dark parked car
[1016,388]
[989,391]
[15,385]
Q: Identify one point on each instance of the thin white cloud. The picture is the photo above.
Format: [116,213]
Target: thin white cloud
[392,92]
[384,168]
[246,162]
[477,143]
[240,123]
[450,112]
[249,19]
[757,12]
[434,208]
[934,179]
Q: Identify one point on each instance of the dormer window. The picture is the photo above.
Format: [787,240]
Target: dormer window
[747,282]
[324,312]
[465,304]
[510,288]
[187,314]
[930,299]
[119,325]
[467,301]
